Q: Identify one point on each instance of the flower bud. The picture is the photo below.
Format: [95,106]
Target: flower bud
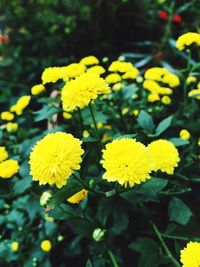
[98,234]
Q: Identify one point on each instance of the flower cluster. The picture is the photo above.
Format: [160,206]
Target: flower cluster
[8,167]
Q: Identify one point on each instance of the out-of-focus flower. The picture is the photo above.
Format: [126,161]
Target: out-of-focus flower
[67,115]
[184,134]
[3,153]
[113,78]
[166,100]
[186,40]
[90,60]
[15,246]
[37,89]
[11,127]
[7,116]
[8,168]
[45,197]
[191,79]
[21,104]
[98,234]
[96,69]
[163,15]
[177,19]
[46,245]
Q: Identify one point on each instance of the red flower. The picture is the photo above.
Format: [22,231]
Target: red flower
[163,15]
[3,39]
[177,19]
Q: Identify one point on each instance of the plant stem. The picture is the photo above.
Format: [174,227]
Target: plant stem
[81,119]
[180,237]
[95,126]
[168,252]
[112,257]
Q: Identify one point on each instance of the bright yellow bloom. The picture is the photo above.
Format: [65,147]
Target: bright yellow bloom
[151,86]
[37,89]
[67,115]
[21,104]
[166,100]
[45,197]
[117,86]
[46,245]
[97,70]
[190,255]
[164,155]
[54,158]
[184,134]
[7,116]
[119,66]
[86,134]
[195,93]
[125,110]
[187,39]
[171,79]
[73,70]
[90,60]
[99,125]
[191,79]
[52,75]
[11,127]
[153,98]
[113,78]
[131,74]
[78,197]
[3,153]
[79,92]
[126,161]
[135,112]
[165,91]
[8,168]
[15,246]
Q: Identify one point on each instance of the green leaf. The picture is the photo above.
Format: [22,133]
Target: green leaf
[149,250]
[89,140]
[146,121]
[163,125]
[120,224]
[119,136]
[21,185]
[45,113]
[73,186]
[179,142]
[146,191]
[89,263]
[179,211]
[130,90]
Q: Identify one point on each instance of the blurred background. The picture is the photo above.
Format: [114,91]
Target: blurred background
[35,34]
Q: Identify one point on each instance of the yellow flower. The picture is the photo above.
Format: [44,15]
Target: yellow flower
[126,161]
[190,255]
[78,197]
[79,92]
[7,116]
[131,74]
[119,66]
[135,112]
[8,168]
[90,60]
[171,79]
[151,86]
[153,98]
[191,79]
[21,104]
[73,70]
[113,78]
[3,153]
[125,110]
[15,246]
[199,142]
[106,137]
[166,100]
[184,134]
[99,125]
[54,158]
[67,115]
[165,156]
[11,127]
[37,89]
[46,245]
[97,70]
[45,197]
[52,75]
[117,86]
[86,134]
[187,39]
[195,93]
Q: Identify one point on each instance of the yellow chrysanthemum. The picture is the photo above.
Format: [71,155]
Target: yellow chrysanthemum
[184,134]
[153,98]
[97,70]
[195,93]
[187,39]
[21,104]
[73,70]
[11,127]
[7,116]
[164,155]
[151,86]
[126,161]
[190,255]
[37,89]
[79,92]
[135,112]
[54,158]
[113,78]
[132,74]
[171,79]
[117,86]
[67,115]
[15,246]
[166,100]
[3,153]
[119,66]
[8,168]
[52,75]
[191,79]
[90,60]
[46,245]
[78,197]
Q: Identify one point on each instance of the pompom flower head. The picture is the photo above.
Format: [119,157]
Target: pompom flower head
[54,158]
[7,116]
[21,104]
[37,89]
[126,161]
[190,256]
[188,39]
[79,92]
[90,60]
[8,168]
[165,156]
[46,245]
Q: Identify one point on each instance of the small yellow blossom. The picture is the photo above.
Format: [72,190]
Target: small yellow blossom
[8,168]
[117,86]
[7,116]
[15,246]
[78,197]
[153,98]
[187,39]
[21,104]
[11,127]
[120,66]
[86,134]
[3,153]
[113,78]
[166,100]
[191,79]
[90,60]
[135,112]
[131,74]
[96,69]
[184,134]
[37,89]
[67,115]
[46,245]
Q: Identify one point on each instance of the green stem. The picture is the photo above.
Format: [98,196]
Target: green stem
[112,257]
[81,119]
[95,126]
[180,237]
[175,192]
[168,252]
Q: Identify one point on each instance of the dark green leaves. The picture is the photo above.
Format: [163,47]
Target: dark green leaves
[179,142]
[45,113]
[178,211]
[146,122]
[163,125]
